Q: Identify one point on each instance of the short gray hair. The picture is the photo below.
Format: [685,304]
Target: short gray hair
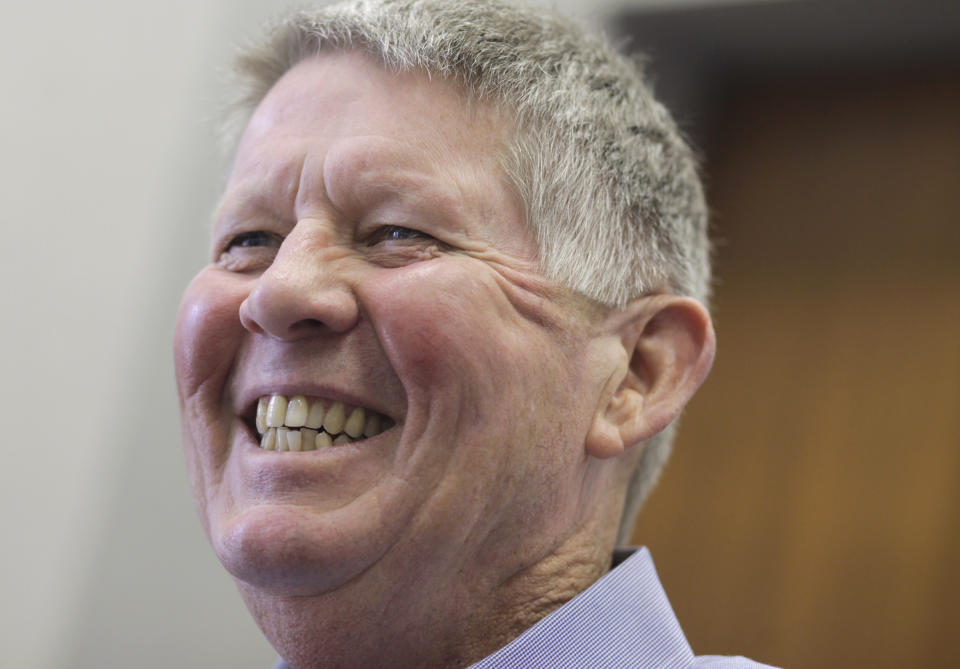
[610,188]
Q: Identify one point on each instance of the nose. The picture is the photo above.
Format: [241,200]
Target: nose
[302,293]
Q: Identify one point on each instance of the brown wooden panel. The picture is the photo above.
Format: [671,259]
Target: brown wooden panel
[811,515]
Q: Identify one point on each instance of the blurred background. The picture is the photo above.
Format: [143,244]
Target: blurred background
[810,516]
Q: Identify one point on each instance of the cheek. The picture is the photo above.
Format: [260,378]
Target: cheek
[496,390]
[207,333]
[437,322]
[454,336]
[206,338]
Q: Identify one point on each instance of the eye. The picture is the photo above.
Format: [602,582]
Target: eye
[394,233]
[253,239]
[249,251]
[397,246]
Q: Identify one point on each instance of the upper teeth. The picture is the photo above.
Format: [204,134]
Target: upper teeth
[300,424]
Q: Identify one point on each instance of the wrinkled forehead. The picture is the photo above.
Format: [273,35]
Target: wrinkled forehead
[357,117]
[340,128]
[351,92]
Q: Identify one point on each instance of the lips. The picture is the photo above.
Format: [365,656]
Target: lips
[300,423]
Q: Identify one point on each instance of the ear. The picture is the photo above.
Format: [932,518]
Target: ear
[666,349]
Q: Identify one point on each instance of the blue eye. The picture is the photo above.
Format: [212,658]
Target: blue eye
[396,233]
[253,239]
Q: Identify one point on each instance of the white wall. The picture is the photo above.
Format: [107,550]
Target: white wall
[108,172]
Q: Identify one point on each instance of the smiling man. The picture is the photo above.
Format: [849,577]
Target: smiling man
[454,304]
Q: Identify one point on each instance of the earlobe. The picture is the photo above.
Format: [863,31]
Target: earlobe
[617,419]
[670,344]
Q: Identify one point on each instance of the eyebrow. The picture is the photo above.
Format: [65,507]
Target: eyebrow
[364,176]
[259,193]
[349,178]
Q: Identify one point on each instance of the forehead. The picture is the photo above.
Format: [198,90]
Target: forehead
[349,91]
[347,105]
[340,125]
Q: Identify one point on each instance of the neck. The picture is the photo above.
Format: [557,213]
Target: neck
[451,622]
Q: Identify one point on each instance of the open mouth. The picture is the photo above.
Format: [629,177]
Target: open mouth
[309,424]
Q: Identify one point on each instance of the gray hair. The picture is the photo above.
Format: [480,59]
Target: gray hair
[609,187]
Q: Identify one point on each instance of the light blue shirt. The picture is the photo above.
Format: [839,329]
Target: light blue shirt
[623,621]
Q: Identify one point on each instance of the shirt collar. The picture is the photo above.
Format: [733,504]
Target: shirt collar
[624,619]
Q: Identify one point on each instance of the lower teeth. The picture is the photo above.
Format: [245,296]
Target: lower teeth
[306,439]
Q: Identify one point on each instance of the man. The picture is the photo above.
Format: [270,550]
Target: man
[454,304]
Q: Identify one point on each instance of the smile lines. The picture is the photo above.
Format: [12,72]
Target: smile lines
[301,424]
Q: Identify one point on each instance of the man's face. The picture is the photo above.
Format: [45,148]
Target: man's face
[369,250]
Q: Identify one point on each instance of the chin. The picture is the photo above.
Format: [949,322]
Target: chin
[290,550]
